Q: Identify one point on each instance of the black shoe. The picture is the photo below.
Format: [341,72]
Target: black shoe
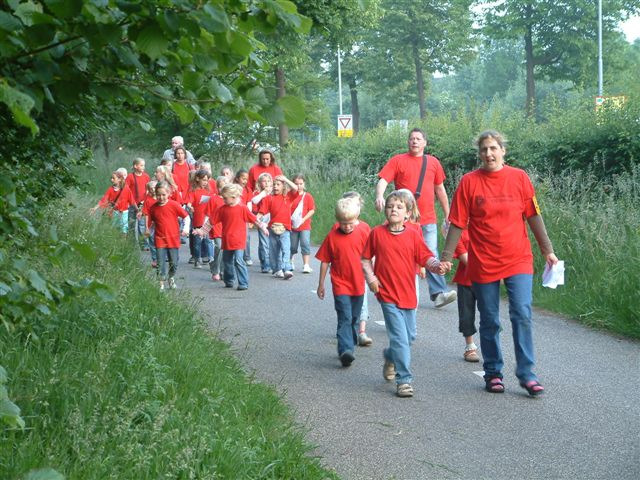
[227,285]
[347,358]
[242,288]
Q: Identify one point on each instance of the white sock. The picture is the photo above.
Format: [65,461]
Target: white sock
[471,346]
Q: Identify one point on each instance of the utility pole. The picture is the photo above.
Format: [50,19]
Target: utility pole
[599,48]
[339,81]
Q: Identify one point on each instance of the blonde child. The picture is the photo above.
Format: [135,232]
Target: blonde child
[215,233]
[342,251]
[116,201]
[302,210]
[397,250]
[264,184]
[242,178]
[164,215]
[149,201]
[163,174]
[234,216]
[278,206]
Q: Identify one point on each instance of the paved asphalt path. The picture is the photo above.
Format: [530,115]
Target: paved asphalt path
[586,426]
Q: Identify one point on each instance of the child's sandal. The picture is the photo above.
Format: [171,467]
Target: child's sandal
[494,385]
[533,387]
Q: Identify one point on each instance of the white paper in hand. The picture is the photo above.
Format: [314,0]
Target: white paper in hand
[553,275]
[204,199]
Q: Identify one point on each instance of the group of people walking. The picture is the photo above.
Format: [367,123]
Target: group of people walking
[485,229]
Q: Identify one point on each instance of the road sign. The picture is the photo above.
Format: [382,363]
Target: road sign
[345,126]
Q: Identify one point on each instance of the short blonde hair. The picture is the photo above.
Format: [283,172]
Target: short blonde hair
[231,190]
[347,209]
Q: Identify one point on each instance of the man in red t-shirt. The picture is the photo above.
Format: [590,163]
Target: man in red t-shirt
[404,171]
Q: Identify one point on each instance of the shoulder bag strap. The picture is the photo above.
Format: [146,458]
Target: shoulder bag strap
[423,169]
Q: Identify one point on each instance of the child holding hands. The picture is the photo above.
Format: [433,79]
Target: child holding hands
[397,250]
[117,200]
[342,250]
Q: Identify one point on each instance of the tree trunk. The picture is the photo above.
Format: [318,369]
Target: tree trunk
[105,145]
[355,108]
[419,80]
[283,133]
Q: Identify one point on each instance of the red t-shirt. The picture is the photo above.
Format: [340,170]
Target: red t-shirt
[120,199]
[344,252]
[279,206]
[138,185]
[462,274]
[199,207]
[396,257]
[404,171]
[213,187]
[234,225]
[148,203]
[308,203]
[165,219]
[494,206]
[181,176]
[255,171]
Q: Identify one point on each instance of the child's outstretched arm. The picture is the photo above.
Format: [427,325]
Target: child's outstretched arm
[370,277]
[262,227]
[324,267]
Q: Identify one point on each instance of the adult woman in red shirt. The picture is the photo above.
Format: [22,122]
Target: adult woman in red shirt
[493,202]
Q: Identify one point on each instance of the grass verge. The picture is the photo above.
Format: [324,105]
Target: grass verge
[137,387]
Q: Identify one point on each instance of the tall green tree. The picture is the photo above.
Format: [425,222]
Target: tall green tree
[429,36]
[559,36]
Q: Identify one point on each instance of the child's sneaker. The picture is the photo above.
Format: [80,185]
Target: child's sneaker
[197,263]
[287,275]
[248,262]
[364,340]
[471,353]
[161,286]
[404,390]
[306,268]
[172,283]
[191,260]
[347,358]
[278,274]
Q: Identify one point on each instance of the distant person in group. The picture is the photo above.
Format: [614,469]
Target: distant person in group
[302,209]
[180,170]
[234,216]
[397,249]
[199,197]
[242,178]
[266,163]
[116,201]
[265,184]
[215,232]
[137,183]
[163,174]
[405,171]
[341,253]
[149,201]
[164,215]
[278,206]
[466,299]
[169,153]
[493,203]
[227,171]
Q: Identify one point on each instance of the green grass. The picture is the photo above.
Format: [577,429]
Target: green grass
[139,388]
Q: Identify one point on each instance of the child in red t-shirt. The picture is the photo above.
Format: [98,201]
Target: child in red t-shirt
[278,206]
[215,231]
[164,215]
[197,202]
[137,182]
[397,250]
[234,216]
[116,201]
[242,178]
[466,299]
[342,251]
[302,209]
[264,184]
[143,215]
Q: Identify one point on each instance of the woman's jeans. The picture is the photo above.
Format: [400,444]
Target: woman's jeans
[279,245]
[170,255]
[348,309]
[233,265]
[437,283]
[488,297]
[401,330]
